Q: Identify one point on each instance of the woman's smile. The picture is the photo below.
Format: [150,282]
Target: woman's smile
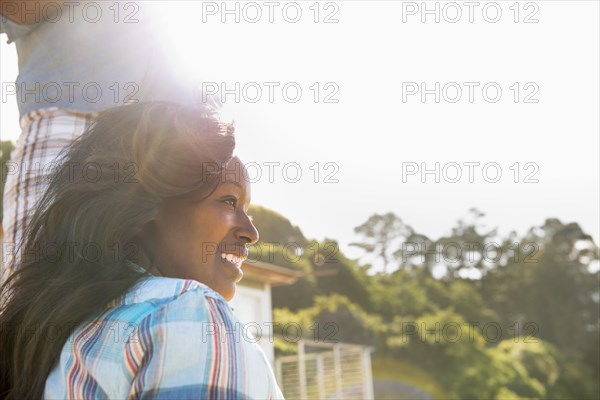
[233,264]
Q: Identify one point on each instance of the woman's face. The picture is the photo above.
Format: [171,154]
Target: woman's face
[206,241]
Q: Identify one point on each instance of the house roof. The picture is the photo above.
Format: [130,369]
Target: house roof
[270,273]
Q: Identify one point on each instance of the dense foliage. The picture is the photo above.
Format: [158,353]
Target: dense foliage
[476,315]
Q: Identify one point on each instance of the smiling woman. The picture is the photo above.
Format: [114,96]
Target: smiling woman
[205,240]
[139,308]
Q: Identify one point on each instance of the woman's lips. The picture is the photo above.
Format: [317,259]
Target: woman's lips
[234,264]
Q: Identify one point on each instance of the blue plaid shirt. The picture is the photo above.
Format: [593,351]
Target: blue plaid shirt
[166,338]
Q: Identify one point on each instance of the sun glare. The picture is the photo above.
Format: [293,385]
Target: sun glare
[196,49]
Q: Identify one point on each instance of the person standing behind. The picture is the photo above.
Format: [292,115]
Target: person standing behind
[76,58]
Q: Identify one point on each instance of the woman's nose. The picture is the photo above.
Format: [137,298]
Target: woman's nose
[248,231]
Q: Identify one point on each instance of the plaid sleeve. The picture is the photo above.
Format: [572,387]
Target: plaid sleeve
[189,348]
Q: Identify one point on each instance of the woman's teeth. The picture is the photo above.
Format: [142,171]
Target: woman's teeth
[232,258]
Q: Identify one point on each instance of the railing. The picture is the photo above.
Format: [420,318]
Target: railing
[326,370]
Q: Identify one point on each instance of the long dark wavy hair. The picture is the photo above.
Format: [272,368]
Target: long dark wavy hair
[109,184]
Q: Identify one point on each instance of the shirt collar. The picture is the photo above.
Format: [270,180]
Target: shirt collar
[151,288]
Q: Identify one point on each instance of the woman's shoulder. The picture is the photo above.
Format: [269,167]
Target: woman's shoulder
[161,327]
[158,290]
[154,303]
[154,291]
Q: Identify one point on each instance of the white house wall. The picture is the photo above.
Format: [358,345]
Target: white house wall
[252,305]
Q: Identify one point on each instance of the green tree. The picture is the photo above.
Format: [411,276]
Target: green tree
[283,244]
[275,228]
[382,236]
[335,273]
[331,319]
[534,364]
[458,359]
[553,289]
[468,247]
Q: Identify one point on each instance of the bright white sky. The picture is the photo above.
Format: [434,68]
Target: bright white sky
[370,131]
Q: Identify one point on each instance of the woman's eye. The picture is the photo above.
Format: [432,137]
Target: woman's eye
[231,201]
